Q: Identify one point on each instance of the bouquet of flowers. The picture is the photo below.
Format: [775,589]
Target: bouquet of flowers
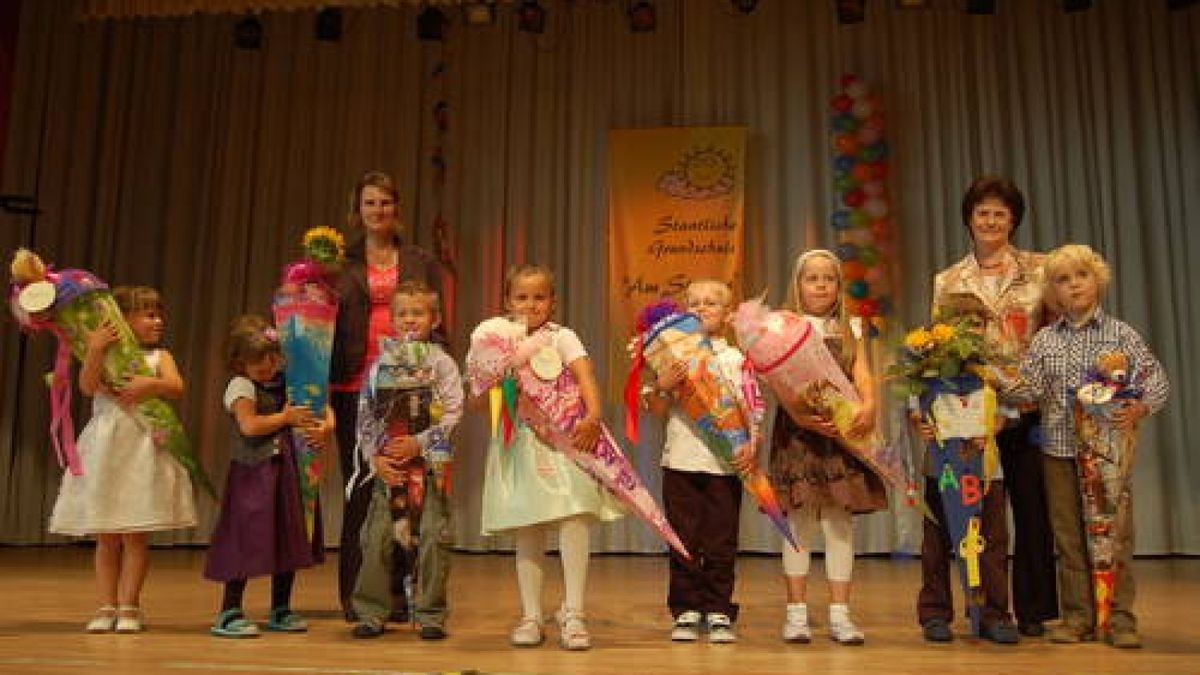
[1105,464]
[70,304]
[305,308]
[527,379]
[718,407]
[787,352]
[942,367]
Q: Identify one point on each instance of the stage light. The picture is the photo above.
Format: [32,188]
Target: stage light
[744,6]
[248,33]
[981,7]
[1076,5]
[431,25]
[531,17]
[850,11]
[480,13]
[328,25]
[642,17]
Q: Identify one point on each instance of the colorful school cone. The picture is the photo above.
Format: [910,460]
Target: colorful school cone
[787,351]
[551,403]
[1105,463]
[668,334]
[962,411]
[70,304]
[305,309]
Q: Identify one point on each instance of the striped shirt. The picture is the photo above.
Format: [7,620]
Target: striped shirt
[1057,361]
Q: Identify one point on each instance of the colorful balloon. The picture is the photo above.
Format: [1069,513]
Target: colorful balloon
[854,198]
[876,208]
[840,220]
[847,144]
[853,270]
[858,218]
[873,189]
[842,103]
[846,251]
[858,289]
[869,255]
[844,163]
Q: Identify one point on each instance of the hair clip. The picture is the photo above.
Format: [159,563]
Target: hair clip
[271,334]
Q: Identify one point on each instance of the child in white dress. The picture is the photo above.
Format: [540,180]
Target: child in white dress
[129,486]
[530,487]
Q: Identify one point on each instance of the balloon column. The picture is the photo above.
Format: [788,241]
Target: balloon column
[862,219]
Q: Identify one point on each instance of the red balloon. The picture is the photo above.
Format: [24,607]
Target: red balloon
[881,228]
[846,144]
[853,269]
[848,79]
[853,305]
[868,307]
[854,198]
[862,172]
[842,103]
[879,169]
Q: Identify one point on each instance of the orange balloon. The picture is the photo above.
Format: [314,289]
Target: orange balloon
[846,144]
[853,269]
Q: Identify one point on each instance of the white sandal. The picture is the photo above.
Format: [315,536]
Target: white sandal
[104,620]
[129,619]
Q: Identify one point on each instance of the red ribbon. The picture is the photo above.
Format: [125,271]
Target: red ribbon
[633,391]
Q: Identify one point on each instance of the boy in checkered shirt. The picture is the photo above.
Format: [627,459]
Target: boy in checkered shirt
[1058,360]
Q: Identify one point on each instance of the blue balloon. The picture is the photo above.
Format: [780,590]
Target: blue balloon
[840,220]
[845,123]
[846,251]
[843,163]
[858,289]
[885,306]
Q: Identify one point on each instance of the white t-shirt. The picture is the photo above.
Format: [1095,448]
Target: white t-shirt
[239,386]
[683,447]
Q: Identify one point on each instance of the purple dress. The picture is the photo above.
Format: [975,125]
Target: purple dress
[261,527]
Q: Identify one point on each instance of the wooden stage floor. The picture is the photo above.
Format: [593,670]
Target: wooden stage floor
[46,596]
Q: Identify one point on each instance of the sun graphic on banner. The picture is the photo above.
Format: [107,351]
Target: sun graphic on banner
[702,173]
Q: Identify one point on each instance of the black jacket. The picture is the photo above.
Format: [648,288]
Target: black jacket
[350,333]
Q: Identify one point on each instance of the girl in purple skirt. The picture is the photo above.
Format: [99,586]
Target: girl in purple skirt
[261,528]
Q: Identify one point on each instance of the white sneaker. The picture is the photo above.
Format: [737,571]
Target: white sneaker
[687,627]
[528,633]
[720,629]
[572,631]
[795,624]
[841,629]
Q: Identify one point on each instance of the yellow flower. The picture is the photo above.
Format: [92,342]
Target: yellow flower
[918,340]
[324,245]
[941,333]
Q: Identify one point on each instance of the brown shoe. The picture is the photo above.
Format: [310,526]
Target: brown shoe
[1066,634]
[1124,638]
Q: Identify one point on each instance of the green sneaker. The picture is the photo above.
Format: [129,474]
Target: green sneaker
[284,620]
[232,623]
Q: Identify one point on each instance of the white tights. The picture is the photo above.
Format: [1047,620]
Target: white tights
[573,544]
[838,526]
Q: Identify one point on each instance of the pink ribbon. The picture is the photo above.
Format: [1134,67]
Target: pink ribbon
[62,426]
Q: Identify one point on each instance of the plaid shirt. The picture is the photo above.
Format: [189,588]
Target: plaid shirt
[1057,361]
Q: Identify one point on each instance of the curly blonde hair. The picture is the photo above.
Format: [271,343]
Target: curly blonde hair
[1073,256]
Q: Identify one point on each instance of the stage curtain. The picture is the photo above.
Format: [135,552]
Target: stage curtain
[160,154]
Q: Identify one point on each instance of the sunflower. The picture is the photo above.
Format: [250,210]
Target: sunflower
[324,245]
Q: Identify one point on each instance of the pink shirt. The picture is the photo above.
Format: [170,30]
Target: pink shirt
[381,284]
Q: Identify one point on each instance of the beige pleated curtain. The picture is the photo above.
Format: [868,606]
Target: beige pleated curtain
[161,154]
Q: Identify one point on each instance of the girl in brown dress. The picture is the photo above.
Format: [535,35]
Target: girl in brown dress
[821,483]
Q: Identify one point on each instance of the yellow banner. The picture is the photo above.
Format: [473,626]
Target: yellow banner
[675,213]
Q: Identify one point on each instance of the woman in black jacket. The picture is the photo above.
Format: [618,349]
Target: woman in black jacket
[376,262]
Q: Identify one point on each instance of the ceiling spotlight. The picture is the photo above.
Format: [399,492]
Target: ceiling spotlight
[431,25]
[531,17]
[642,17]
[328,24]
[480,13]
[1076,5]
[744,6]
[981,7]
[248,33]
[850,11]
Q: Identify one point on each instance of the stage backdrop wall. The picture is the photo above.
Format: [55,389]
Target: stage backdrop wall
[163,155]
